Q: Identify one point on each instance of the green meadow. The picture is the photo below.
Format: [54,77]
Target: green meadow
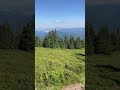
[16,70]
[55,68]
[103,72]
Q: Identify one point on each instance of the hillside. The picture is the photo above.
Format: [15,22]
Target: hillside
[16,70]
[55,68]
[104,68]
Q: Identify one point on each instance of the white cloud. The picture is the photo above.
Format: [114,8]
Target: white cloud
[58,21]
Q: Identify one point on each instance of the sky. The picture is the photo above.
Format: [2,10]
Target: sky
[103,12]
[103,2]
[16,12]
[25,7]
[55,14]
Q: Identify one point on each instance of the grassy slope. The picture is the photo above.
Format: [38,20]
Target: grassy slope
[57,67]
[16,70]
[105,70]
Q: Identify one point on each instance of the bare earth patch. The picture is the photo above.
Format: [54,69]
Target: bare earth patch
[74,87]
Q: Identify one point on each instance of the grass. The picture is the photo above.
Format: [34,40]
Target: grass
[55,68]
[16,70]
[103,72]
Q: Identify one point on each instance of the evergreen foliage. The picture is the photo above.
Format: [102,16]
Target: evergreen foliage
[102,42]
[13,40]
[53,40]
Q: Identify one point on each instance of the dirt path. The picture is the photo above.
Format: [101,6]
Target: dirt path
[74,87]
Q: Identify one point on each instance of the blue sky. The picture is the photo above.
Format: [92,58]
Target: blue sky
[59,14]
[25,7]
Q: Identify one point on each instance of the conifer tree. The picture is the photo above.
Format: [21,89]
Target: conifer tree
[78,43]
[27,39]
[61,43]
[38,41]
[104,45]
[66,42]
[89,39]
[114,41]
[71,42]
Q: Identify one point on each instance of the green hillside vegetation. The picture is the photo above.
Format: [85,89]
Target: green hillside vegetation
[55,67]
[53,40]
[106,71]
[16,70]
[101,41]
[102,58]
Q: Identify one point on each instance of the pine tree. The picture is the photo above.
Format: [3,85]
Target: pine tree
[61,43]
[27,39]
[78,43]
[104,45]
[82,43]
[38,41]
[114,41]
[66,42]
[51,40]
[89,39]
[46,42]
[71,42]
[6,37]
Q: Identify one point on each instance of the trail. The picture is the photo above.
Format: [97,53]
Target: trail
[74,87]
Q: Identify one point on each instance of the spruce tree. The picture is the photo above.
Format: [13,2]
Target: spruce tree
[78,43]
[83,43]
[89,39]
[61,43]
[46,42]
[114,41]
[38,41]
[104,45]
[27,38]
[51,40]
[66,42]
[6,37]
[71,42]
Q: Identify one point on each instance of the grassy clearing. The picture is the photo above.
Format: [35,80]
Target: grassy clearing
[105,70]
[55,68]
[16,70]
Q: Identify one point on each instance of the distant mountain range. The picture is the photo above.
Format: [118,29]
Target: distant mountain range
[63,32]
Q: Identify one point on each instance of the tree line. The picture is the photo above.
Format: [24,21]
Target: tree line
[23,40]
[102,41]
[53,40]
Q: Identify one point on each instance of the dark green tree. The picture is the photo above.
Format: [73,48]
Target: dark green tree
[27,38]
[71,42]
[104,45]
[6,37]
[78,43]
[61,43]
[83,43]
[66,42]
[89,39]
[46,42]
[114,41]
[51,40]
[38,41]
